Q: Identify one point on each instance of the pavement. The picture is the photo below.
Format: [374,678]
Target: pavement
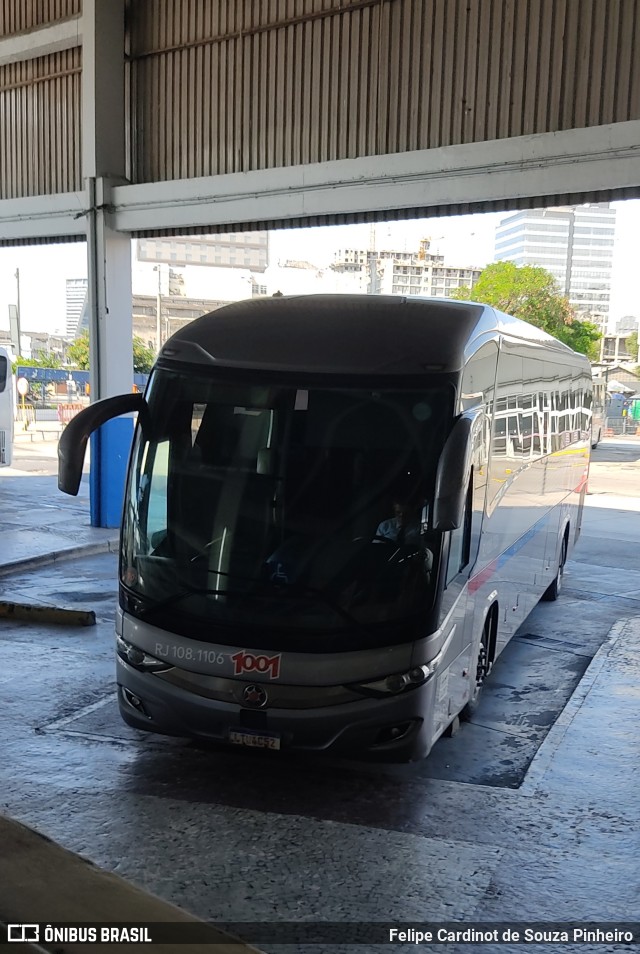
[41,881]
[38,523]
[552,836]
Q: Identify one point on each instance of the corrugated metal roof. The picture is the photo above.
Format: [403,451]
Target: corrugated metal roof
[229,87]
[219,88]
[16,16]
[40,123]
[394,215]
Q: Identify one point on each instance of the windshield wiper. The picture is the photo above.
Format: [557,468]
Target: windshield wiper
[285,590]
[180,595]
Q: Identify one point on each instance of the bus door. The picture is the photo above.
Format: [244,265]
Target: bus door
[458,603]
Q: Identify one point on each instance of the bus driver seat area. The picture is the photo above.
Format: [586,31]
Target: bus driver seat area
[394,564]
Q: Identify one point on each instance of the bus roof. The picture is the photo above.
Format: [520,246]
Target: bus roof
[353,334]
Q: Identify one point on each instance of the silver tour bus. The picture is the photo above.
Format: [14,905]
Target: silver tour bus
[338,511]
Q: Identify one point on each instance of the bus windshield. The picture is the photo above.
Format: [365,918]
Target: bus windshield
[282,509]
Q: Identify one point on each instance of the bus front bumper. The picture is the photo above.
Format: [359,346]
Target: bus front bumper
[392,729]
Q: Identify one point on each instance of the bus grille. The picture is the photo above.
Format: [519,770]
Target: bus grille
[3,447]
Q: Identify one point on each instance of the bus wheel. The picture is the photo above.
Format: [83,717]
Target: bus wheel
[552,592]
[483,668]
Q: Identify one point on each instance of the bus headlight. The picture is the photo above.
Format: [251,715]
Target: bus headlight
[138,658]
[396,683]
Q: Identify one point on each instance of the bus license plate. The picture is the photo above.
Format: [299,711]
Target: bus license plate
[256,740]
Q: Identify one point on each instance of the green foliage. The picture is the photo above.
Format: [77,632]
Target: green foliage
[48,362]
[530,293]
[143,357]
[78,352]
[582,336]
[632,345]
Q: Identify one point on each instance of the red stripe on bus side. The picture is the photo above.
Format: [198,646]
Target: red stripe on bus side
[476,582]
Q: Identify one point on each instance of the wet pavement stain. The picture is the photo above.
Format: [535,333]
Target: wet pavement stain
[495,749]
[229,835]
[528,688]
[92,596]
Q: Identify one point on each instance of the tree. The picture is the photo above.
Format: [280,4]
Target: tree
[46,362]
[143,357]
[529,292]
[78,352]
[632,346]
[582,336]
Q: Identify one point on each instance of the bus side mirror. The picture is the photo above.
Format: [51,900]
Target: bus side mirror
[73,441]
[452,475]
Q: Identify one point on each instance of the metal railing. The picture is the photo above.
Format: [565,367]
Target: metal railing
[25,415]
[67,411]
[614,426]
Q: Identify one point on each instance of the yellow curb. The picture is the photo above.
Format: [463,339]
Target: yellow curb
[47,614]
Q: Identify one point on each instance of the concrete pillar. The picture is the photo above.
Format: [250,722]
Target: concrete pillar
[111,356]
[109,252]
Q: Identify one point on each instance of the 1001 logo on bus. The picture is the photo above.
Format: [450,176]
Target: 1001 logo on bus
[248,662]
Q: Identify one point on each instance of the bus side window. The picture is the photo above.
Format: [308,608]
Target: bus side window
[155,494]
[460,539]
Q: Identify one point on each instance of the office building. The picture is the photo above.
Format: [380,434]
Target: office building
[76,296]
[627,325]
[393,272]
[248,250]
[615,349]
[175,313]
[574,243]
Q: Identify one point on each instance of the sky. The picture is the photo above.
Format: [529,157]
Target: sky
[463,240]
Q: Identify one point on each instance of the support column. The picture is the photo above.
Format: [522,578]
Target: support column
[108,252]
[110,353]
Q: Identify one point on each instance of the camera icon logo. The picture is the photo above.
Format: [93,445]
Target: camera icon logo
[23,933]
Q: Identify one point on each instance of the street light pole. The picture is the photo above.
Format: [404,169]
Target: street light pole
[159,312]
[18,307]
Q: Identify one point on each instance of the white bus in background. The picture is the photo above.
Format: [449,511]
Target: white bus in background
[339,510]
[6,409]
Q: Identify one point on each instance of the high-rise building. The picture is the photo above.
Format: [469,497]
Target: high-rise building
[627,325]
[249,250]
[76,295]
[615,349]
[574,243]
[408,272]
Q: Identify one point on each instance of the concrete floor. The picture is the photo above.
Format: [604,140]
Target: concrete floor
[530,813]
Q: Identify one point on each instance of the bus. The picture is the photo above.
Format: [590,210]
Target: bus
[6,409]
[338,511]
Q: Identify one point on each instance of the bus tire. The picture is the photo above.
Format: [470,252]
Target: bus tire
[483,668]
[554,589]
